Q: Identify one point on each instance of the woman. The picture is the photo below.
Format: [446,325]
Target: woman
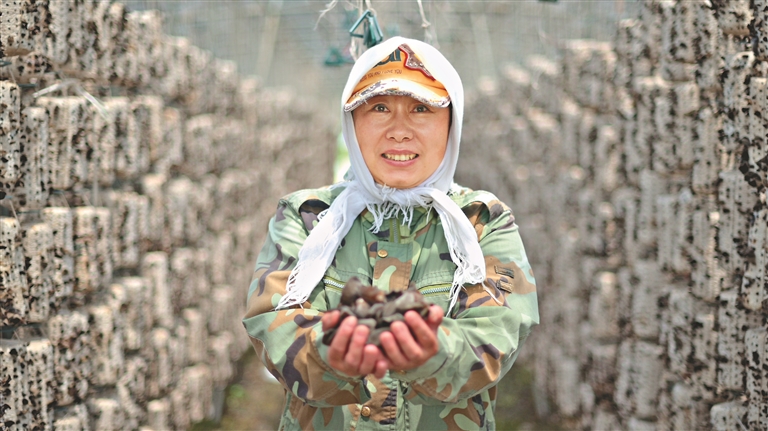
[398,218]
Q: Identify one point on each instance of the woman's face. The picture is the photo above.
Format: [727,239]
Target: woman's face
[402,140]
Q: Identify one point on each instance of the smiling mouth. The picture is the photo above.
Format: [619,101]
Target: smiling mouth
[400,157]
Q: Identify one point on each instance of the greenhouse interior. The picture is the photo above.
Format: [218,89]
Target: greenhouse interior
[146,144]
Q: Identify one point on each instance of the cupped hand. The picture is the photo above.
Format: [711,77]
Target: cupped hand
[348,352]
[411,343]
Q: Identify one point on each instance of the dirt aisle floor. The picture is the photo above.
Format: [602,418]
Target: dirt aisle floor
[255,400]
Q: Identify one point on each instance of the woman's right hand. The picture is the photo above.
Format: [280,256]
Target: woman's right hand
[348,352]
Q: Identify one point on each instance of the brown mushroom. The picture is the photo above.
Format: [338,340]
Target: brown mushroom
[375,308]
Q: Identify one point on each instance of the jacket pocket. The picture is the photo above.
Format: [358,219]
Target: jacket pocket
[333,283]
[438,293]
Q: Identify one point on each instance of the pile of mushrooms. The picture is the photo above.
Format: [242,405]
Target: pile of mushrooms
[375,308]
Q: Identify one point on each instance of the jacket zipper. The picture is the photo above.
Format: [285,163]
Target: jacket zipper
[330,282]
[436,290]
[394,231]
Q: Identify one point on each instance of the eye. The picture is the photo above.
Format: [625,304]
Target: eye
[379,107]
[421,108]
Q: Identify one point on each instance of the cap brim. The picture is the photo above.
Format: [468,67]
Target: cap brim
[398,87]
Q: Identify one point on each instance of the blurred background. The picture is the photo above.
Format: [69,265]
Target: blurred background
[288,43]
[145,144]
[292,44]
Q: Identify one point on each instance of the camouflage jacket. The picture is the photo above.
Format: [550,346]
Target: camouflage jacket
[479,341]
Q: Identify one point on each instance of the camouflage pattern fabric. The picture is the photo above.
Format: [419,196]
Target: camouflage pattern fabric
[479,341]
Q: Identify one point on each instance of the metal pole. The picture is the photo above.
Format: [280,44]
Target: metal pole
[268,39]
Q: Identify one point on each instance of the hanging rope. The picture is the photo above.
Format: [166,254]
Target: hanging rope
[67,83]
[355,47]
[327,9]
[429,36]
[371,34]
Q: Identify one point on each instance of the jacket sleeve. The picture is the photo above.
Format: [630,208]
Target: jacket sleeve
[489,323]
[288,341]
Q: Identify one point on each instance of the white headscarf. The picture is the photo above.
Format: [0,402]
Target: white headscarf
[361,191]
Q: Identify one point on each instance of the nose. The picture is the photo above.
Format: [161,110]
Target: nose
[400,129]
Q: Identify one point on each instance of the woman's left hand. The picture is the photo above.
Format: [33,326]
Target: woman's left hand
[411,343]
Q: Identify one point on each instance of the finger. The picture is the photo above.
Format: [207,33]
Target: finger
[424,335]
[435,317]
[340,343]
[370,357]
[414,320]
[330,319]
[408,345]
[382,365]
[392,350]
[355,352]
[406,334]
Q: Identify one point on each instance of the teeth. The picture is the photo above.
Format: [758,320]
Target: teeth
[400,157]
